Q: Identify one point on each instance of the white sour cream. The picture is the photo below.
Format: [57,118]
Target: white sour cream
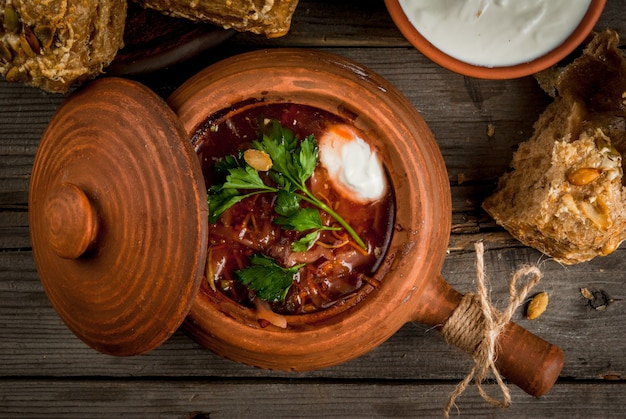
[495,33]
[353,167]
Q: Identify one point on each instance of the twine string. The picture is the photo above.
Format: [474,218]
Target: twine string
[475,325]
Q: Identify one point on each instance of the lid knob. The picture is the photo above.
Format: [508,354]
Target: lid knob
[71,221]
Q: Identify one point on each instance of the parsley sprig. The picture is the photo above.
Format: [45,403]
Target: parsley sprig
[293,163]
[270,280]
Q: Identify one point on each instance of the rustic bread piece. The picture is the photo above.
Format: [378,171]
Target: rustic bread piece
[565,194]
[267,17]
[52,44]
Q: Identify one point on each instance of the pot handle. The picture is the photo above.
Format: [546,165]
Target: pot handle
[523,358]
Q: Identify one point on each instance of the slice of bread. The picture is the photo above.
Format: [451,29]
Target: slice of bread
[565,194]
[266,17]
[56,43]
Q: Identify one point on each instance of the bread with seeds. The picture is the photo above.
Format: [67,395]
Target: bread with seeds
[565,194]
[271,18]
[53,44]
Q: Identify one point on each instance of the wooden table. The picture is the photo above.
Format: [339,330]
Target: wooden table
[45,371]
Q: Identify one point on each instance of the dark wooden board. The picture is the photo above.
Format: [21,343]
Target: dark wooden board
[271,399]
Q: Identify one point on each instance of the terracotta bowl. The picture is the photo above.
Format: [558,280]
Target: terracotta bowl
[118,218]
[412,288]
[505,72]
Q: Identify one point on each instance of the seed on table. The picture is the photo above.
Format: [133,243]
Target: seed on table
[537,306]
[586,293]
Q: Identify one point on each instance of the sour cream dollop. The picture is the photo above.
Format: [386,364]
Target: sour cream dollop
[495,33]
[353,166]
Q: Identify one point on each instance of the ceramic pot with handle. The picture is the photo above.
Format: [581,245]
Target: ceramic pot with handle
[118,217]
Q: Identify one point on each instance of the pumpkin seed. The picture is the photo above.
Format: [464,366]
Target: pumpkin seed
[537,306]
[257,159]
[586,293]
[15,75]
[598,213]
[45,35]
[584,176]
[5,53]
[11,19]
[26,47]
[32,40]
[569,203]
[15,48]
[603,143]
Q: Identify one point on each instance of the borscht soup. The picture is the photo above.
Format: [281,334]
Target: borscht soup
[301,209]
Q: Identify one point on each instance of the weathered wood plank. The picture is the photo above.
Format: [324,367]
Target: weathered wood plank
[24,114]
[289,399]
[33,341]
[14,233]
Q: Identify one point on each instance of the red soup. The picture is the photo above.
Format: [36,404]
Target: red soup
[275,230]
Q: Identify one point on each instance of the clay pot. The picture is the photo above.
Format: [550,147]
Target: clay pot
[577,37]
[173,238]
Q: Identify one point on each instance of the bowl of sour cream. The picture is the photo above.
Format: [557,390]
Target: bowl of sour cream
[495,39]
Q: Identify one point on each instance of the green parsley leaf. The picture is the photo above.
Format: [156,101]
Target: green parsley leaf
[282,145]
[219,202]
[282,181]
[221,198]
[228,162]
[280,155]
[287,203]
[306,242]
[302,220]
[245,178]
[307,158]
[268,279]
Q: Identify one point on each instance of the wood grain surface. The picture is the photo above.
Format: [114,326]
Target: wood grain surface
[45,371]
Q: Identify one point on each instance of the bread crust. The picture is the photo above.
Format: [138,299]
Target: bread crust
[267,17]
[59,42]
[565,195]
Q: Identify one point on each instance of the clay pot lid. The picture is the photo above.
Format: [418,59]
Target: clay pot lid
[118,217]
